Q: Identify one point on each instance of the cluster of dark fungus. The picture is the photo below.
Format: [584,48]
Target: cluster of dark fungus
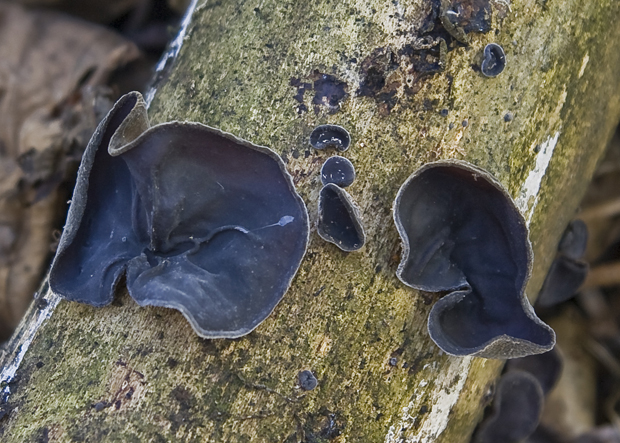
[339,219]
[568,271]
[516,410]
[330,136]
[338,170]
[197,219]
[462,232]
[494,60]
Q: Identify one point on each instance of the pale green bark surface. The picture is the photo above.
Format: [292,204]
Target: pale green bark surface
[345,314]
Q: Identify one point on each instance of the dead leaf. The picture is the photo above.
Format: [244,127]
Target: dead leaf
[52,95]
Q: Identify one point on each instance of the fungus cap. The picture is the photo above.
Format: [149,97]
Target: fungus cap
[494,60]
[199,220]
[462,232]
[338,170]
[330,136]
[339,219]
[567,271]
[517,408]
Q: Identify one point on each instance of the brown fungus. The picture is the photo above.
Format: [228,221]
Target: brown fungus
[339,220]
[462,232]
[330,136]
[338,170]
[568,271]
[197,219]
[517,408]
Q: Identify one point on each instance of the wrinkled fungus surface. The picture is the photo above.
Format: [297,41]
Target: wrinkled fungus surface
[330,136]
[338,170]
[568,271]
[516,410]
[461,232]
[494,60]
[339,220]
[198,220]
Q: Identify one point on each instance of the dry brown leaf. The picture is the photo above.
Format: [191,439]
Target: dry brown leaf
[52,72]
[100,11]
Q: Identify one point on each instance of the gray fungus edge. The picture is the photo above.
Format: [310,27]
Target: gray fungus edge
[176,208]
[462,232]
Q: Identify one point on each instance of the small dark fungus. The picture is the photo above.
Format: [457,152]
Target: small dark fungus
[307,380]
[197,219]
[567,271]
[574,240]
[339,220]
[328,91]
[338,170]
[330,136]
[508,117]
[444,112]
[99,406]
[462,232]
[460,17]
[516,410]
[494,60]
[546,368]
[564,278]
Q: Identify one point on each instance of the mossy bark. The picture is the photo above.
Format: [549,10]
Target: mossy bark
[269,71]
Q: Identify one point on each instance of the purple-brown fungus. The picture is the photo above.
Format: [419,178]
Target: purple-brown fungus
[516,410]
[197,219]
[494,60]
[338,170]
[339,220]
[330,136]
[568,271]
[462,232]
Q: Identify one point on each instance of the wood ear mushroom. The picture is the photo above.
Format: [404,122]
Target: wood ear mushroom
[197,219]
[461,232]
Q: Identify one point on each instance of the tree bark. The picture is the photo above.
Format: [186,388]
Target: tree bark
[270,71]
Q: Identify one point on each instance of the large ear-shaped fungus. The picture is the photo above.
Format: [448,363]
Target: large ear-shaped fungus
[339,220]
[462,232]
[567,272]
[199,220]
[516,410]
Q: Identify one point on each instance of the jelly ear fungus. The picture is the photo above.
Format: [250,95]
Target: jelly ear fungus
[462,233]
[339,219]
[517,408]
[568,271]
[197,219]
